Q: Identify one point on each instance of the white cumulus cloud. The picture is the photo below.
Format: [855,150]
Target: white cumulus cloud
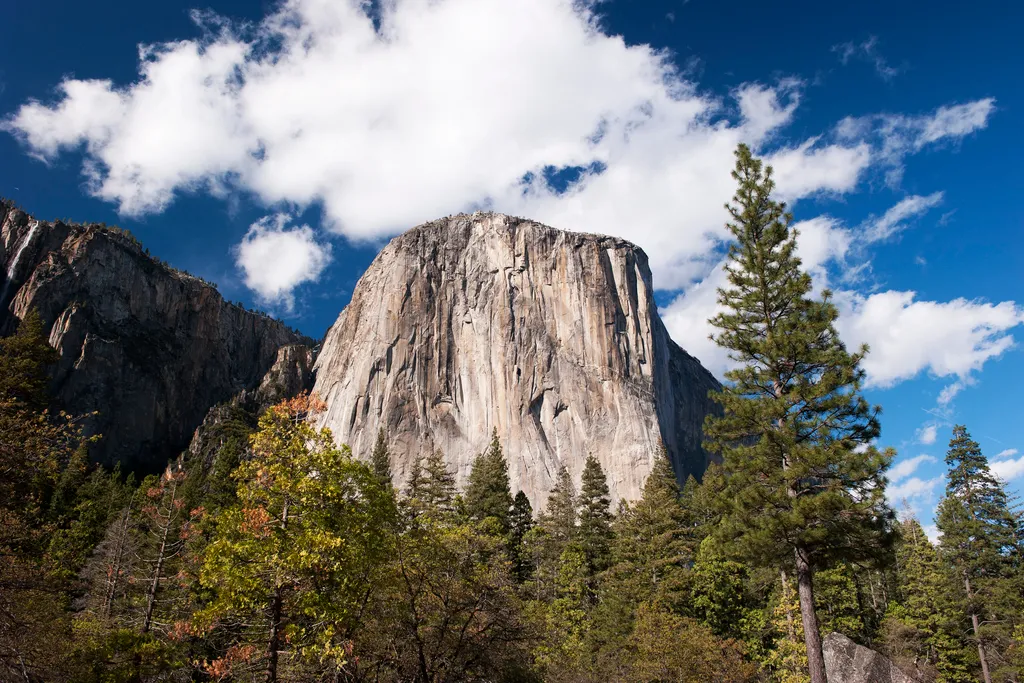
[904,468]
[1008,468]
[275,258]
[445,106]
[914,488]
[927,434]
[436,106]
[908,336]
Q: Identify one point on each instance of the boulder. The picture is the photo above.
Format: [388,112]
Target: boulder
[848,662]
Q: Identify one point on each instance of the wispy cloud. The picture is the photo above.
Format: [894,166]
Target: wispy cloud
[895,219]
[897,135]
[949,392]
[867,51]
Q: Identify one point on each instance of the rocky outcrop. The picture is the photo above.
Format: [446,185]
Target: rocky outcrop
[848,662]
[290,375]
[150,348]
[485,321]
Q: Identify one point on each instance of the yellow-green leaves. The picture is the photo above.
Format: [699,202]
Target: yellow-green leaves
[299,551]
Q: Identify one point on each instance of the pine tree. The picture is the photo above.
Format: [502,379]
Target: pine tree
[595,517]
[380,461]
[566,621]
[434,485]
[921,628]
[979,531]
[488,495]
[415,482]
[651,549]
[787,661]
[720,598]
[804,484]
[520,523]
[559,519]
[164,515]
[836,601]
[25,360]
[554,532]
[702,504]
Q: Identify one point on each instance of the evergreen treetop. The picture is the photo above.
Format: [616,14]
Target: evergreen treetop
[652,550]
[380,461]
[433,485]
[559,519]
[979,531]
[595,516]
[488,494]
[25,360]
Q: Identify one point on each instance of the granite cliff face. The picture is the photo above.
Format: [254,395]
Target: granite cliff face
[553,338]
[151,348]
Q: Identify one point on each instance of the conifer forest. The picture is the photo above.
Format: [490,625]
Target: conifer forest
[269,553]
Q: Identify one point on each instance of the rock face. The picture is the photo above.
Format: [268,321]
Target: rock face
[484,321]
[151,348]
[848,662]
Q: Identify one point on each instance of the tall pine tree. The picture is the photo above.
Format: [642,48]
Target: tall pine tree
[804,484]
[431,486]
[520,523]
[978,531]
[595,517]
[380,460]
[559,518]
[921,629]
[652,548]
[488,495]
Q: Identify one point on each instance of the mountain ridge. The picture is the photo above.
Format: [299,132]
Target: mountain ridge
[150,347]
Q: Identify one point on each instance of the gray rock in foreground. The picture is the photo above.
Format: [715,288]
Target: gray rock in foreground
[485,321]
[848,662]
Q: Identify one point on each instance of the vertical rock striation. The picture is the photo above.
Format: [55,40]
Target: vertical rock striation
[149,347]
[553,338]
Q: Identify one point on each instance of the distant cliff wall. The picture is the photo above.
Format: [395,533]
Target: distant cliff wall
[150,348]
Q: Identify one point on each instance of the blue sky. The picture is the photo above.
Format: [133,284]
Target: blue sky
[273,148]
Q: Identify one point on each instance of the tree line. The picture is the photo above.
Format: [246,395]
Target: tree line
[268,553]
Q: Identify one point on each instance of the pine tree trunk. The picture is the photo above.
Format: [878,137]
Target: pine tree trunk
[154,586]
[115,570]
[276,603]
[275,637]
[977,633]
[812,632]
[155,583]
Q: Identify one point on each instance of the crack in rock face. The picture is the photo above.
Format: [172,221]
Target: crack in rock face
[486,321]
